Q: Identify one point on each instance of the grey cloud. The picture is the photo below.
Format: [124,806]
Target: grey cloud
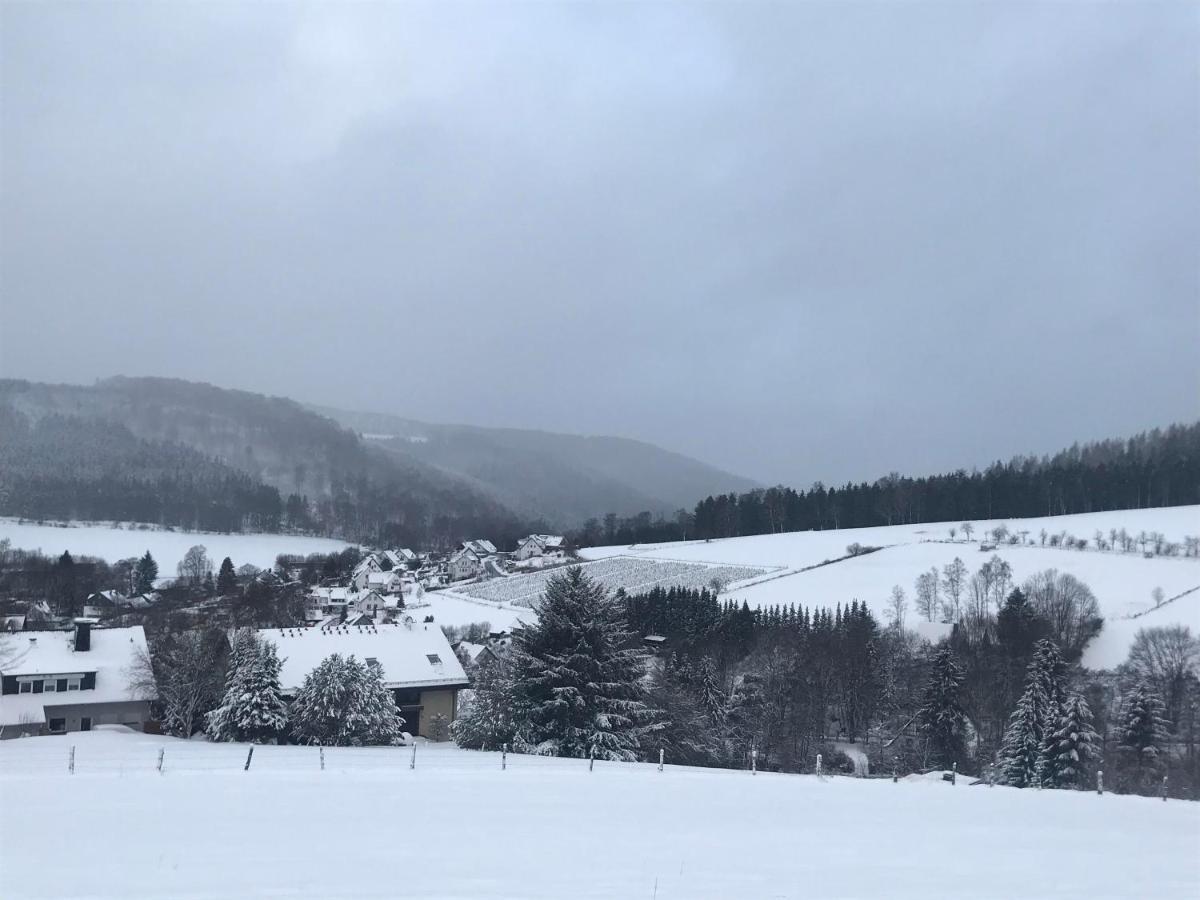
[799,241]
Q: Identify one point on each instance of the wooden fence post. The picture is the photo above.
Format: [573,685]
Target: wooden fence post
[754,761]
[322,759]
[592,758]
[249,756]
[895,769]
[1099,781]
[71,761]
[412,763]
[503,757]
[953,774]
[161,752]
[818,765]
[661,754]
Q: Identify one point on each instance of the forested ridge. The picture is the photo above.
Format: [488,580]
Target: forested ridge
[1155,468]
[187,455]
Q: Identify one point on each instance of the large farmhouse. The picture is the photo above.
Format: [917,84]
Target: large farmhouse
[538,545]
[53,682]
[419,666]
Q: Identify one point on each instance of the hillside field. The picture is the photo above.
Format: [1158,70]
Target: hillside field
[457,827]
[167,547]
[1122,582]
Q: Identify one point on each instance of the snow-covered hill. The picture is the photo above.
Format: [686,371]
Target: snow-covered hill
[168,547]
[1123,582]
[457,826]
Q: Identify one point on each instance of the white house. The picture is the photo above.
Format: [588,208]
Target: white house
[384,582]
[52,682]
[538,545]
[465,563]
[419,666]
[482,549]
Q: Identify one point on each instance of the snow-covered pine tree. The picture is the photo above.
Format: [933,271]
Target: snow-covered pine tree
[252,709]
[320,707]
[1051,671]
[1068,748]
[486,721]
[578,676]
[345,703]
[1021,753]
[941,716]
[1036,716]
[1143,732]
[381,720]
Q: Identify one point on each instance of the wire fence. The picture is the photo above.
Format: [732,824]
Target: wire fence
[80,759]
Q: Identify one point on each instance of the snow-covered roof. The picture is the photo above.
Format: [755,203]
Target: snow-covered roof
[412,655]
[381,579]
[113,655]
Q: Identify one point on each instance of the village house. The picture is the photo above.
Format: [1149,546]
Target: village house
[419,666]
[465,563]
[538,545]
[52,682]
[482,549]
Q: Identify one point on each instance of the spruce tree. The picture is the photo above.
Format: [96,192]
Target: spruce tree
[1068,748]
[226,578]
[941,715]
[578,675]
[486,721]
[345,703]
[1021,752]
[252,709]
[1143,732]
[1036,718]
[144,574]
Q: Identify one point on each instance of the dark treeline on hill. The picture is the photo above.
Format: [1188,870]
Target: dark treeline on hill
[193,456]
[1156,468]
[71,468]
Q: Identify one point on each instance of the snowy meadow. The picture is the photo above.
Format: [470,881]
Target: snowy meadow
[459,826]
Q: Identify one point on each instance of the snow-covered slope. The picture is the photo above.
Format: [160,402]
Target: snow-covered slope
[167,547]
[457,826]
[1122,582]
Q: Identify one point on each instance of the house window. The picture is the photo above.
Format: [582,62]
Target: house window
[85,724]
[57,726]
[72,684]
[50,686]
[62,684]
[38,686]
[26,687]
[434,659]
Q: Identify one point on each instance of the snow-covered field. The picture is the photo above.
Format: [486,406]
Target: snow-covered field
[1122,582]
[167,547]
[634,574]
[458,827]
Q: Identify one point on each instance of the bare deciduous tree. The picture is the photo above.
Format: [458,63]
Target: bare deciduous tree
[1169,658]
[927,594]
[897,604]
[954,577]
[195,565]
[1069,606]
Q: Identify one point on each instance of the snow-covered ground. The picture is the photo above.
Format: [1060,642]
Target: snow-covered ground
[1122,582]
[448,608]
[167,547]
[458,827]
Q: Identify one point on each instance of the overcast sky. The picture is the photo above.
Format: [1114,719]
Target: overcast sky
[800,241]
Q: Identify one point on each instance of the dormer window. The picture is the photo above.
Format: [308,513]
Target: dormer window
[434,659]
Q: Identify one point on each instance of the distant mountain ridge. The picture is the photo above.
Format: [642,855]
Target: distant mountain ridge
[562,479]
[187,454]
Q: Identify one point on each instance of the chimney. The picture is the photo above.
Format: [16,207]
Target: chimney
[83,635]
